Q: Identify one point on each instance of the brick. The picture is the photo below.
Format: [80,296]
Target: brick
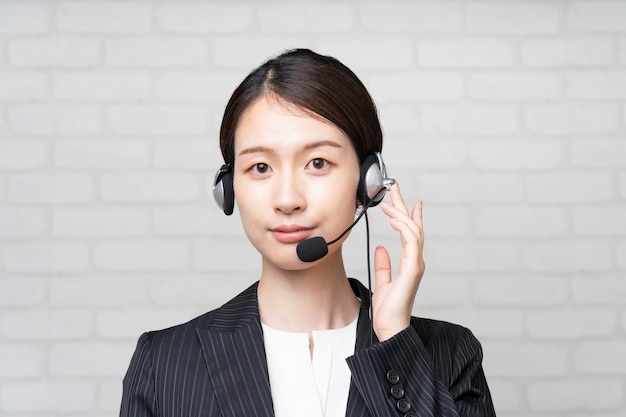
[190,221]
[100,221]
[426,154]
[155,120]
[454,188]
[493,257]
[606,357]
[514,86]
[106,86]
[46,258]
[56,396]
[49,189]
[361,53]
[604,291]
[205,292]
[21,360]
[620,255]
[194,86]
[560,257]
[54,52]
[441,290]
[165,52]
[18,18]
[199,17]
[76,359]
[406,17]
[416,87]
[530,291]
[305,17]
[468,120]
[568,119]
[599,221]
[21,222]
[109,394]
[23,86]
[153,255]
[571,323]
[149,187]
[46,325]
[515,155]
[531,360]
[554,53]
[21,155]
[499,324]
[569,188]
[400,118]
[96,293]
[508,394]
[22,291]
[520,222]
[104,17]
[598,16]
[608,84]
[599,153]
[446,222]
[224,255]
[109,154]
[513,18]
[50,120]
[248,52]
[129,325]
[465,53]
[439,254]
[575,395]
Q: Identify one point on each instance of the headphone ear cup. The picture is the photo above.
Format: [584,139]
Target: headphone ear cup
[223,191]
[371,180]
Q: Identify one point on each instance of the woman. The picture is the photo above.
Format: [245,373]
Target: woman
[298,137]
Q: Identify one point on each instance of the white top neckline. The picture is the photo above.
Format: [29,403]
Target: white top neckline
[307,386]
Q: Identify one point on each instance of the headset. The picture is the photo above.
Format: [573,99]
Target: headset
[372,180]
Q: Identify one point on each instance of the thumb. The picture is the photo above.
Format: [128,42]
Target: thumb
[382,266]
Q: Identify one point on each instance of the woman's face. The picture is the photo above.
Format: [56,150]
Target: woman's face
[295,177]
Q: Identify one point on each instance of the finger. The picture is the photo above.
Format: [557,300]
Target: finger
[382,266]
[416,215]
[396,198]
[402,216]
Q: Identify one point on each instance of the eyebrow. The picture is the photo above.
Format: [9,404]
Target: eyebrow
[308,146]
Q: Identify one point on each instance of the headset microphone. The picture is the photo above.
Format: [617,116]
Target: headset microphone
[314,248]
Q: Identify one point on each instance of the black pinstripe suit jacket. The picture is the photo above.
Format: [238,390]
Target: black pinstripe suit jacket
[215,365]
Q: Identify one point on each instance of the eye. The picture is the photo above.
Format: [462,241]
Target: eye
[318,164]
[260,168]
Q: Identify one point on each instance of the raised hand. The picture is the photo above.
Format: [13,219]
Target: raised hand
[393,298]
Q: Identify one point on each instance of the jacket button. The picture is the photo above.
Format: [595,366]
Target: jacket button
[393,377]
[397,391]
[403,405]
[410,414]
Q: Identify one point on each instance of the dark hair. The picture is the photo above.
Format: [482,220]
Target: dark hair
[316,83]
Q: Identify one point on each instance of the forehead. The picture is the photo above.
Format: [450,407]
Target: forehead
[277,124]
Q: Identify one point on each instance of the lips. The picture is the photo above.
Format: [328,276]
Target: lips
[291,233]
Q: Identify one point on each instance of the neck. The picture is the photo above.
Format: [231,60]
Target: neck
[317,298]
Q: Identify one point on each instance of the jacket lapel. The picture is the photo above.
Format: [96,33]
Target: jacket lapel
[234,352]
[365,336]
[235,355]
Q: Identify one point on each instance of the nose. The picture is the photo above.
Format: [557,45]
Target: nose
[289,194]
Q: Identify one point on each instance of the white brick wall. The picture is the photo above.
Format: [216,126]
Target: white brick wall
[507,118]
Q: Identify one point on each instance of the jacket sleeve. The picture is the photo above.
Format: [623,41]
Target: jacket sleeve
[403,377]
[138,395]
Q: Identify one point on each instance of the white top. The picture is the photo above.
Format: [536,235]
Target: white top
[306,386]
